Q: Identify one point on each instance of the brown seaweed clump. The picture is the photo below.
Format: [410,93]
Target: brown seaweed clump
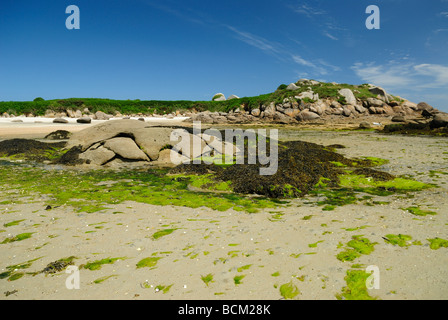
[29,149]
[301,166]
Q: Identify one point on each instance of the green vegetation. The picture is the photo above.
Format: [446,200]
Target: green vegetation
[39,105]
[356,288]
[96,265]
[150,262]
[13,273]
[237,279]
[12,223]
[355,248]
[438,243]
[162,233]
[81,190]
[401,240]
[102,279]
[163,288]
[18,237]
[419,212]
[207,279]
[289,290]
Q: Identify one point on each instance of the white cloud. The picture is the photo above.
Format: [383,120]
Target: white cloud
[308,10]
[395,75]
[330,36]
[438,72]
[255,41]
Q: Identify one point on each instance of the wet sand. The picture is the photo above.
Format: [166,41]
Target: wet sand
[297,243]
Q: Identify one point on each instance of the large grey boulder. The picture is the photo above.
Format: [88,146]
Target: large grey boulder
[348,95]
[60,120]
[97,156]
[219,97]
[306,115]
[440,120]
[380,92]
[151,140]
[104,131]
[99,115]
[84,120]
[292,86]
[125,148]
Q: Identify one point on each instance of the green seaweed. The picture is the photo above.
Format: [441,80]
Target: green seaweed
[12,223]
[162,233]
[356,288]
[207,279]
[438,243]
[401,240]
[419,212]
[163,288]
[149,262]
[355,248]
[96,265]
[18,237]
[237,279]
[289,290]
[102,279]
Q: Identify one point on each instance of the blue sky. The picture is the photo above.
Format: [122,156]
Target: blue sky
[192,49]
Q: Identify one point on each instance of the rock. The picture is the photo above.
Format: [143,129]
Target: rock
[17,120]
[348,95]
[373,102]
[151,140]
[233,97]
[380,92]
[365,125]
[84,120]
[70,113]
[125,148]
[360,108]
[346,111]
[78,114]
[255,112]
[307,116]
[398,119]
[410,105]
[97,156]
[440,120]
[306,94]
[49,114]
[219,97]
[141,119]
[99,115]
[292,86]
[388,110]
[60,120]
[282,118]
[291,112]
[170,157]
[58,135]
[424,106]
[104,131]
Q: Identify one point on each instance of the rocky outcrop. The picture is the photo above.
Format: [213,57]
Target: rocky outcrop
[131,142]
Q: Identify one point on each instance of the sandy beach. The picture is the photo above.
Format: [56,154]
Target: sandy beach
[236,255]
